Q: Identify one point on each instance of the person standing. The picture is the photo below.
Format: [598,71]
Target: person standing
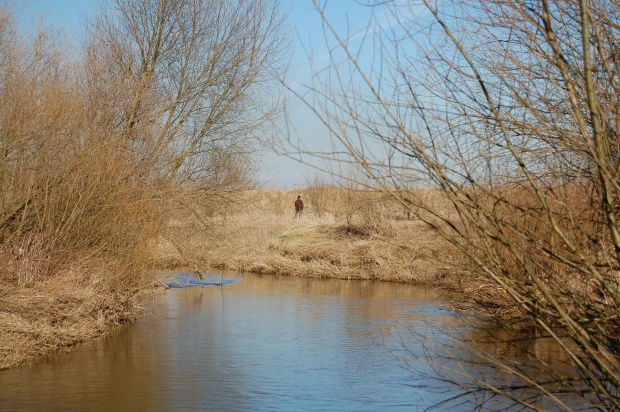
[299,207]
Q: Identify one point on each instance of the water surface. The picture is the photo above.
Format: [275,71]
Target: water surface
[257,343]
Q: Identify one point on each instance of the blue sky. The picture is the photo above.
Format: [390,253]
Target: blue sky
[307,31]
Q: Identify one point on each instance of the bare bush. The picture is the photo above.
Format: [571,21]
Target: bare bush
[316,192]
[166,98]
[509,111]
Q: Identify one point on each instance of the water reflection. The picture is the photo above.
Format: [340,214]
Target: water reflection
[257,343]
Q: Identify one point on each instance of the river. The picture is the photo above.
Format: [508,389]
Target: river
[261,342]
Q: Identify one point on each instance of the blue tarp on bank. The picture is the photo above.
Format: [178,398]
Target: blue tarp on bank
[188,280]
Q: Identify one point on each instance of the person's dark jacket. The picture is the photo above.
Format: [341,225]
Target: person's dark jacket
[299,205]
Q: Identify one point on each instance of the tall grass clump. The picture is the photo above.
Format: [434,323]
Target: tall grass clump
[317,194]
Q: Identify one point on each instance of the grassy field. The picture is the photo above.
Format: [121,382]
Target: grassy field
[347,235]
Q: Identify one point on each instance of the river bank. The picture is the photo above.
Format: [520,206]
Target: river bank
[77,283]
[58,313]
[261,342]
[84,300]
[264,238]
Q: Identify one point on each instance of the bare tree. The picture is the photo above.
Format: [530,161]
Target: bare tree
[510,111]
[189,89]
[190,79]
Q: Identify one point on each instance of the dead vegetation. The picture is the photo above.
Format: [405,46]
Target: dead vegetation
[98,143]
[56,313]
[510,110]
[376,242]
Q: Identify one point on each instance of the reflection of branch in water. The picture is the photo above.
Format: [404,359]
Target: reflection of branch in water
[222,290]
[487,370]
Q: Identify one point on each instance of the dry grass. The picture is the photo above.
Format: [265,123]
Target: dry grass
[379,243]
[72,306]
[314,247]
